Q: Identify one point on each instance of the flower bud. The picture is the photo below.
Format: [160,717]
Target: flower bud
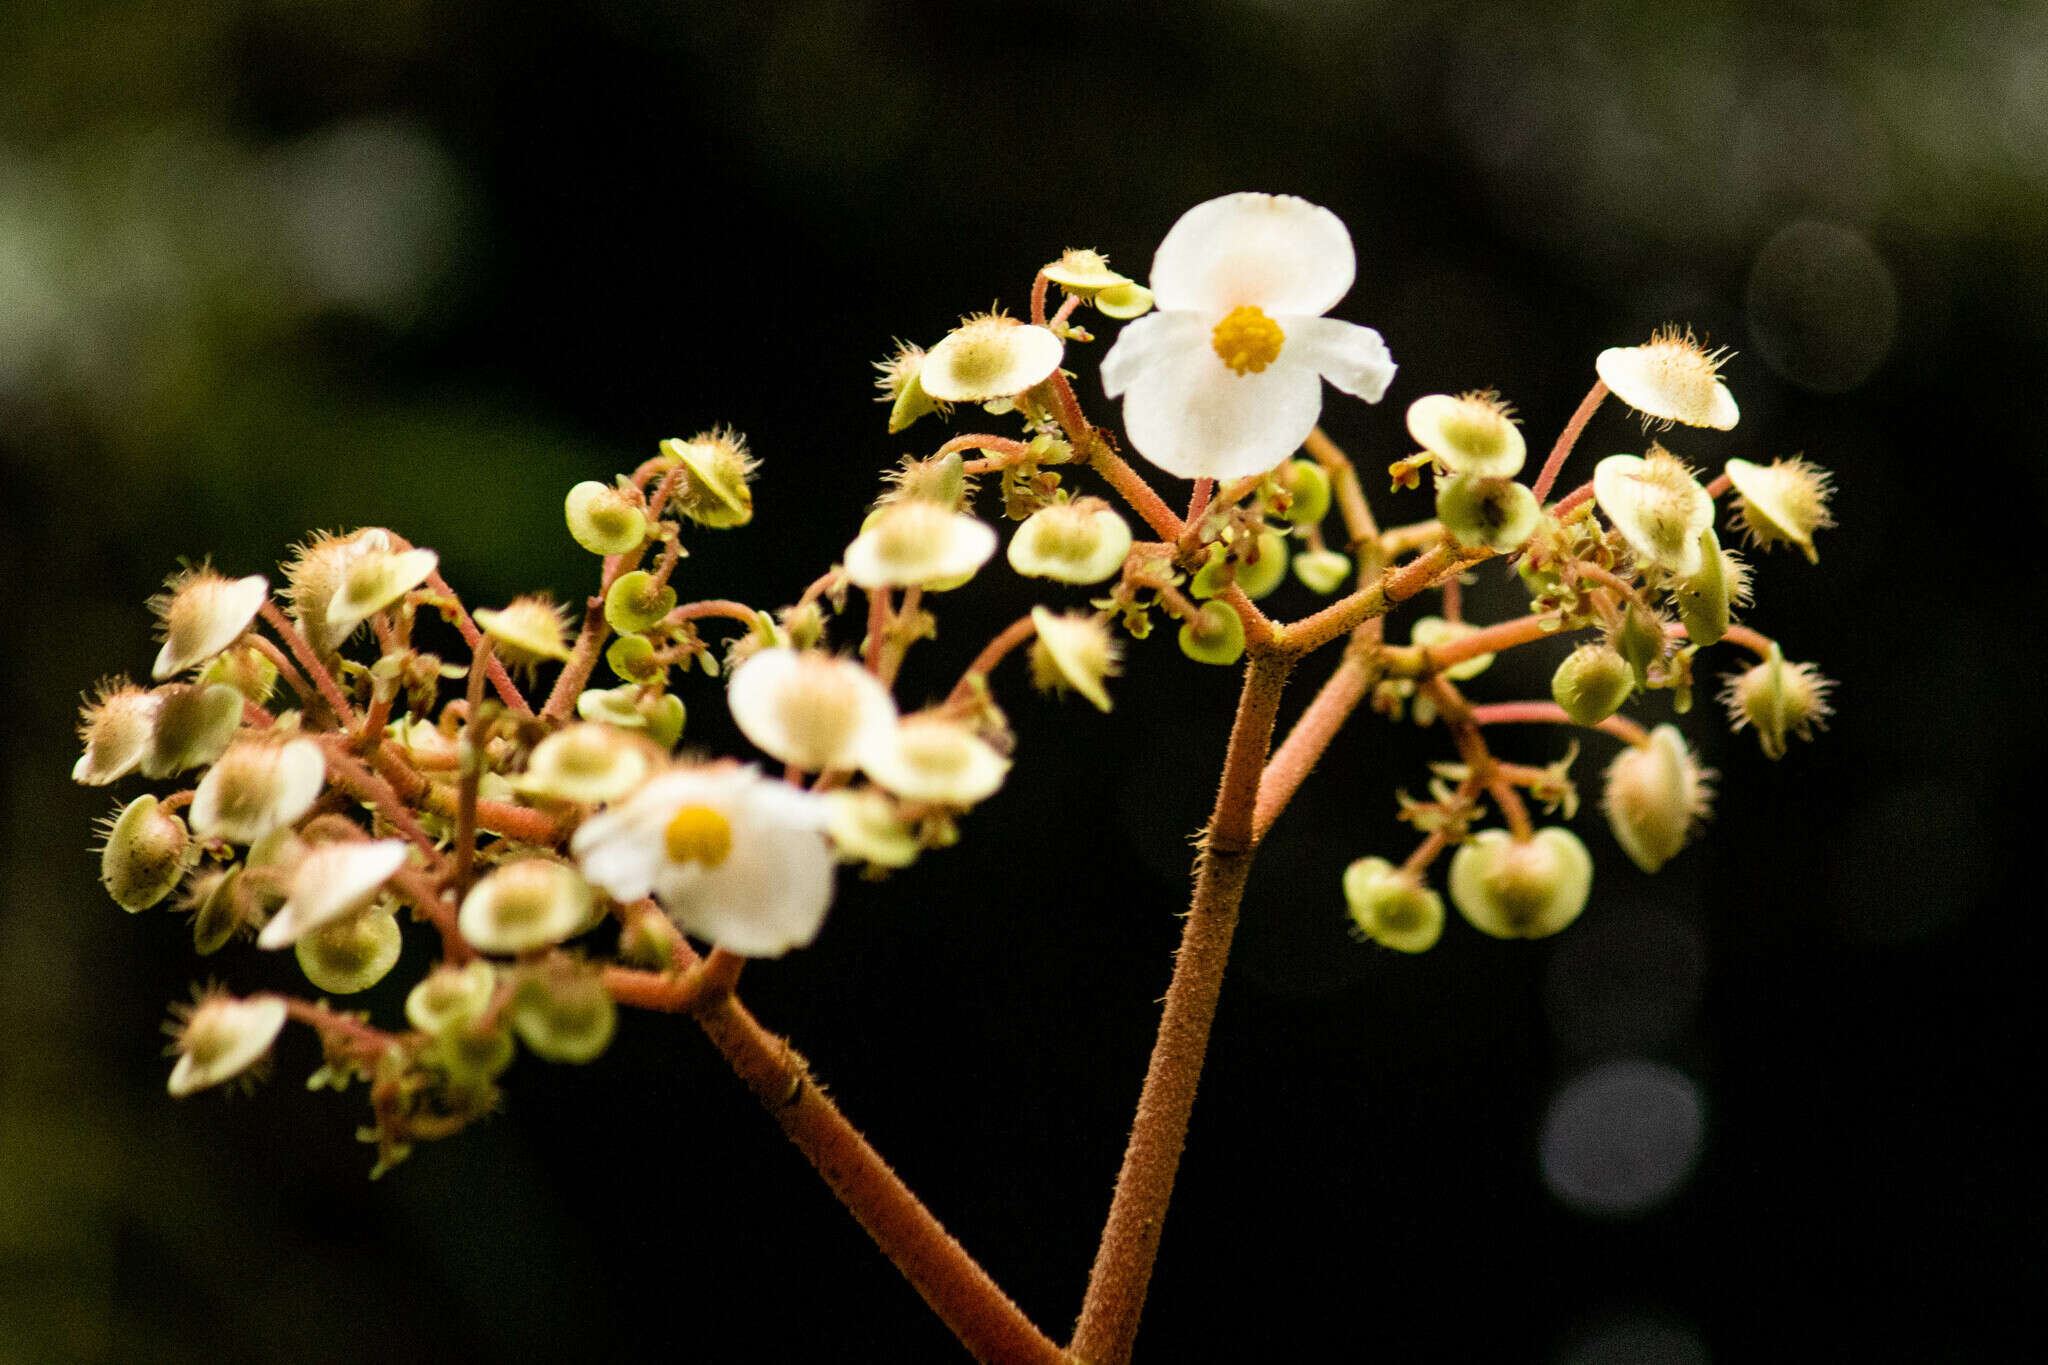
[657,715]
[1392,907]
[256,787]
[903,389]
[1497,514]
[353,954]
[1322,571]
[1779,699]
[990,357]
[144,856]
[605,519]
[1521,890]
[1670,378]
[907,544]
[1473,433]
[1640,641]
[220,1037]
[637,601]
[1073,651]
[1783,502]
[1658,507]
[375,578]
[717,470]
[245,668]
[203,613]
[940,480]
[562,1012]
[1084,273]
[194,726]
[588,763]
[526,632]
[1592,683]
[116,726]
[1704,598]
[527,904]
[1083,541]
[329,884]
[808,709]
[927,757]
[1656,795]
[865,828]
[1308,492]
[1216,636]
[222,907]
[450,997]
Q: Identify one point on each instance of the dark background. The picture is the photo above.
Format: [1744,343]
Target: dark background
[271,267]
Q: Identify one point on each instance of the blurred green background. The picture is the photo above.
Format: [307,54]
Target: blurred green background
[272,267]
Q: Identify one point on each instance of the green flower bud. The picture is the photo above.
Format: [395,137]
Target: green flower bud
[451,997]
[604,519]
[1498,514]
[1656,795]
[527,904]
[144,856]
[1308,490]
[1473,433]
[632,657]
[1322,571]
[245,668]
[194,726]
[1216,637]
[1521,890]
[1073,651]
[664,716]
[1124,302]
[586,762]
[1779,699]
[1658,507]
[1592,683]
[636,602]
[1391,907]
[1433,632]
[563,1014]
[352,955]
[219,1037]
[1640,641]
[1703,599]
[473,1055]
[1782,503]
[1258,577]
[528,631]
[713,491]
[222,907]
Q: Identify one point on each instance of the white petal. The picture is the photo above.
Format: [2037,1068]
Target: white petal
[1152,341]
[1193,416]
[1275,252]
[1353,358]
[768,897]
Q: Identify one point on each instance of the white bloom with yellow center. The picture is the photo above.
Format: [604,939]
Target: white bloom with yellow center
[809,709]
[331,883]
[734,857]
[1225,379]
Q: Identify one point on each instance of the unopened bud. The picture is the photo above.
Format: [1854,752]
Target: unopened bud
[1521,890]
[1656,795]
[1592,683]
[1392,907]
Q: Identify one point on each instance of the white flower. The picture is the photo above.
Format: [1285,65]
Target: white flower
[257,788]
[1226,378]
[989,357]
[930,758]
[1670,378]
[809,709]
[527,904]
[734,857]
[918,544]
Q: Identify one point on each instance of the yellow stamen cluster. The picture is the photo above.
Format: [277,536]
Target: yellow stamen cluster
[1247,340]
[699,834]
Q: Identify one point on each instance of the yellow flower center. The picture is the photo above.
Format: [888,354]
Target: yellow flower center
[1247,340]
[699,834]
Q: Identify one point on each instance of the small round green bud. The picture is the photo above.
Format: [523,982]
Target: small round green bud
[940,480]
[1592,683]
[563,1014]
[717,468]
[1704,598]
[1497,514]
[1473,433]
[1258,577]
[1391,907]
[633,658]
[1433,632]
[902,389]
[664,716]
[1308,491]
[473,1055]
[144,856]
[637,602]
[450,997]
[1778,699]
[649,940]
[1521,890]
[353,954]
[1640,641]
[1083,541]
[1322,571]
[1073,651]
[222,907]
[1656,795]
[604,519]
[194,726]
[1215,637]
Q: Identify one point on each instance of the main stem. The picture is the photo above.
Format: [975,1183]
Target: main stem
[1130,1239]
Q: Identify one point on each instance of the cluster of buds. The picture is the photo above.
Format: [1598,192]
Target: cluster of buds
[365,749]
